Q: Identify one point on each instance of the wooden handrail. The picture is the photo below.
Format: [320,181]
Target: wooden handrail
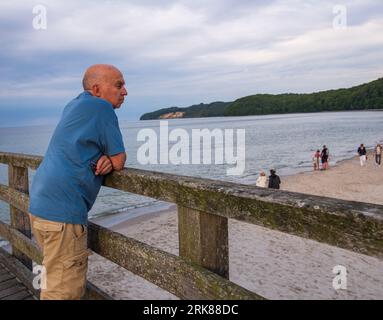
[351,225]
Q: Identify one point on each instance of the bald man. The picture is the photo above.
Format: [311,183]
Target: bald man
[85,146]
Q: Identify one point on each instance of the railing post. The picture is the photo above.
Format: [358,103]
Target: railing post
[18,180]
[203,239]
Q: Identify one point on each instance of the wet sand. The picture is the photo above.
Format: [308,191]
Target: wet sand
[270,263]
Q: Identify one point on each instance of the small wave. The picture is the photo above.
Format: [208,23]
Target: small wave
[123,209]
[249,175]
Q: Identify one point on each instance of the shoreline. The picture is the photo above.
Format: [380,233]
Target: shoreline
[345,180]
[119,220]
[336,163]
[260,115]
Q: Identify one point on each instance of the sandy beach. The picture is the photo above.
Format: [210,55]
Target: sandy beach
[270,263]
[347,180]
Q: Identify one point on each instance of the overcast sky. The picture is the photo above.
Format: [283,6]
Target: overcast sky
[183,52]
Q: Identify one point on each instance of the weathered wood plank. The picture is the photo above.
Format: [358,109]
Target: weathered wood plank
[16,198]
[21,242]
[18,180]
[2,271]
[6,277]
[20,159]
[203,239]
[172,273]
[12,290]
[18,296]
[9,283]
[95,293]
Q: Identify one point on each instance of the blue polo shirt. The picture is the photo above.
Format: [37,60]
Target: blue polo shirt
[65,186]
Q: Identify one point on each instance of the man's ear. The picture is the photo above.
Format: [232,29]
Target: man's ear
[96,90]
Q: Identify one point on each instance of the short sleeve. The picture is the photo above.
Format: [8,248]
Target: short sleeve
[111,138]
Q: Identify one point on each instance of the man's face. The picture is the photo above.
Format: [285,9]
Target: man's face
[113,89]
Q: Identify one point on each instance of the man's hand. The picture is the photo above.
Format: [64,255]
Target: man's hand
[118,161]
[104,166]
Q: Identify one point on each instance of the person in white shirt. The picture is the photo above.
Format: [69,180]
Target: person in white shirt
[262,180]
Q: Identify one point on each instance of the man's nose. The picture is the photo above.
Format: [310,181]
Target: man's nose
[124,92]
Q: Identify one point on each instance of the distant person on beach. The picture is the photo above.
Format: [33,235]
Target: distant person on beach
[86,145]
[315,160]
[378,153]
[274,180]
[325,154]
[262,180]
[362,155]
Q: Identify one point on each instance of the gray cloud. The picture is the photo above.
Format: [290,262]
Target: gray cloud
[186,52]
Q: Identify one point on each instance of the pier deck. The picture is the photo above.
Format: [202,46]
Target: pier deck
[11,287]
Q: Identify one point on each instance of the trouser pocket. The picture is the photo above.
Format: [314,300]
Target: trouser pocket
[79,234]
[46,231]
[73,280]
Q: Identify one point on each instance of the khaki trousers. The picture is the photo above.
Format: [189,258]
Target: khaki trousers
[65,258]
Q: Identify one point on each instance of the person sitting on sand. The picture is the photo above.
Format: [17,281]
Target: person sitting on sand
[274,180]
[378,153]
[362,155]
[262,180]
[325,156]
[315,160]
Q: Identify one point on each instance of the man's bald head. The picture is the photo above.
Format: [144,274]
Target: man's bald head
[105,81]
[97,74]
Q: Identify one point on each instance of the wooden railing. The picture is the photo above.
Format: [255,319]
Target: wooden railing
[201,271]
